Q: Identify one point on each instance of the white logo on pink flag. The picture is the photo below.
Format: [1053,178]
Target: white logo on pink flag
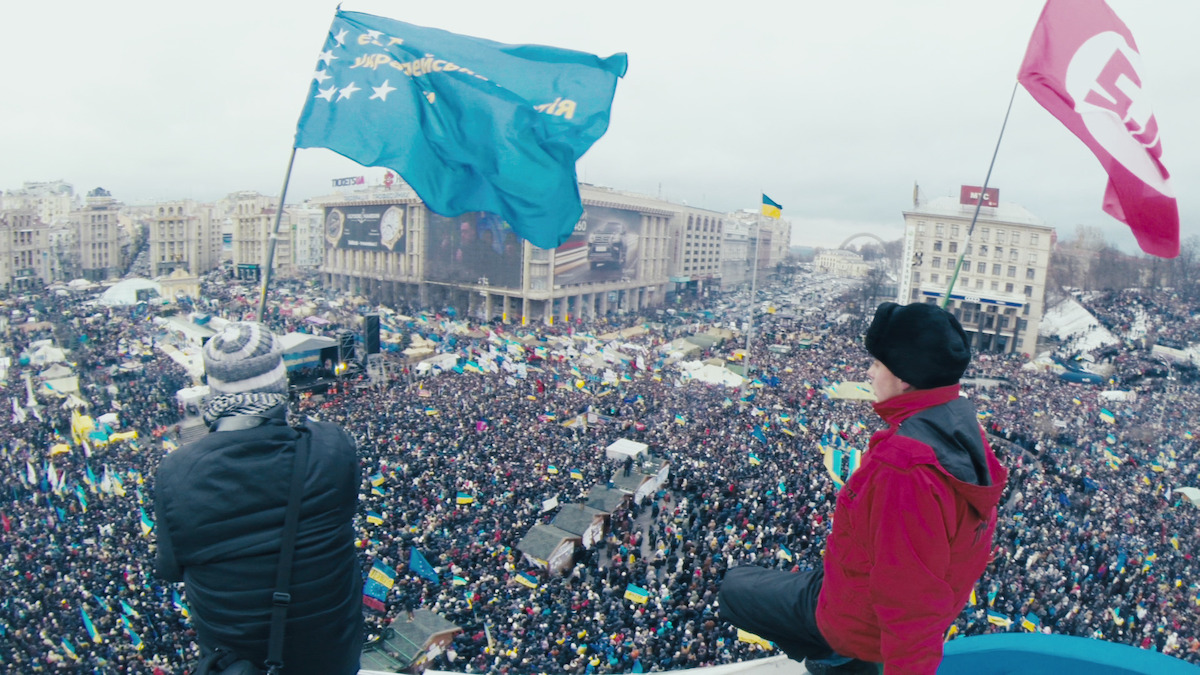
[1083,66]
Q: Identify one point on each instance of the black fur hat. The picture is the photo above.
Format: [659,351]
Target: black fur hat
[923,345]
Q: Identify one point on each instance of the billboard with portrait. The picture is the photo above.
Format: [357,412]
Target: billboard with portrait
[471,247]
[605,247]
[378,227]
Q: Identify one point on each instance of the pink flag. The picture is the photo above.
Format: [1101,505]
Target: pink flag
[1083,66]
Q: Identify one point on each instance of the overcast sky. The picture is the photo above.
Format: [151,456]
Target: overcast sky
[834,109]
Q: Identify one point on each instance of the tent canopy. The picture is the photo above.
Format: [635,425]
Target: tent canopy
[127,292]
[623,447]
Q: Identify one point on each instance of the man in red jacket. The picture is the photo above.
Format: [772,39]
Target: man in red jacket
[912,527]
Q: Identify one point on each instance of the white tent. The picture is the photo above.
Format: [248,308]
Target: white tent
[125,292]
[623,447]
[437,362]
[1191,494]
[192,395]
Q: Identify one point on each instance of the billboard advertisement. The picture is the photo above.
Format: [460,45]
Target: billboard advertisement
[471,247]
[968,195]
[370,228]
[604,247]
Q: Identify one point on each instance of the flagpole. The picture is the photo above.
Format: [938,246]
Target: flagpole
[266,273]
[979,202]
[753,298]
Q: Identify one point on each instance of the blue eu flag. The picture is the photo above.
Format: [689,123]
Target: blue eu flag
[471,124]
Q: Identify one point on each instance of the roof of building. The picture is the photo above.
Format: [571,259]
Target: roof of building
[397,650]
[541,540]
[606,499]
[1007,212]
[576,518]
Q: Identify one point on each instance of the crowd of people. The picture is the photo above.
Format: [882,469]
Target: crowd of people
[1093,539]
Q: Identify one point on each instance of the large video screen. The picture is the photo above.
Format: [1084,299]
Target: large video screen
[371,228]
[604,247]
[472,247]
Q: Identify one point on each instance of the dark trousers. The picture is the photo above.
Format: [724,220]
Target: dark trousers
[778,606]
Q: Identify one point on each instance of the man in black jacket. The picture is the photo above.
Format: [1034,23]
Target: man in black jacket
[220,505]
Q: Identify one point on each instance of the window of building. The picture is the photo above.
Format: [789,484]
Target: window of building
[937,262]
[979,284]
[1033,258]
[920,227]
[1029,291]
[954,230]
[916,277]
[1029,273]
[983,233]
[995,270]
[970,249]
[995,285]
[933,278]
[1016,238]
[954,247]
[966,283]
[999,236]
[1033,240]
[1025,311]
[1012,271]
[940,230]
[1008,288]
[937,245]
[981,268]
[983,249]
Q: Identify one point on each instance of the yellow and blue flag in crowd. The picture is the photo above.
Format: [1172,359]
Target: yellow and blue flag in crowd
[552,470]
[786,553]
[1031,622]
[771,208]
[69,649]
[178,603]
[999,619]
[382,573]
[1108,416]
[464,498]
[378,490]
[146,523]
[636,594]
[527,580]
[377,479]
[374,517]
[470,124]
[127,609]
[576,474]
[90,627]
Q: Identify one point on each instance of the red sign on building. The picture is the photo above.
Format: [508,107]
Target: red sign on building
[969,195]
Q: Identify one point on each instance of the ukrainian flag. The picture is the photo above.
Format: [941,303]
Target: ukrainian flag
[459,581]
[527,580]
[553,470]
[974,598]
[770,208]
[999,619]
[464,498]
[754,460]
[787,431]
[637,594]
[374,518]
[785,553]
[378,490]
[90,627]
[576,474]
[753,639]
[377,479]
[147,524]
[179,604]
[1107,416]
[69,649]
[1031,622]
[382,574]
[127,609]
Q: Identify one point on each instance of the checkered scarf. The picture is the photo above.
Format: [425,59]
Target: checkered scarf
[241,404]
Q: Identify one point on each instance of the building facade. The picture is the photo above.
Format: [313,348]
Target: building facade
[999,295]
[24,250]
[840,262]
[98,235]
[253,219]
[182,236]
[627,253]
[51,201]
